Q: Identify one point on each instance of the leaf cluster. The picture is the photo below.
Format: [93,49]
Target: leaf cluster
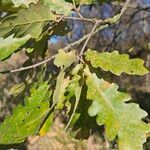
[77,85]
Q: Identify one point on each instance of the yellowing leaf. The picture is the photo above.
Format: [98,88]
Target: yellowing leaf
[116,63]
[18,3]
[121,119]
[60,89]
[47,124]
[10,45]
[59,6]
[65,59]
[74,89]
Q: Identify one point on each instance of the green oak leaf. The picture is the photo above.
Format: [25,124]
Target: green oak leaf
[121,119]
[116,63]
[60,89]
[17,89]
[27,21]
[82,123]
[59,6]
[26,120]
[74,89]
[9,45]
[18,3]
[65,59]
[7,5]
[47,125]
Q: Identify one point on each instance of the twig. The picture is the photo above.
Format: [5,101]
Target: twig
[74,3]
[125,7]
[29,67]
[84,38]
[109,20]
[52,57]
[87,40]
[78,18]
[98,22]
[118,16]
[77,9]
[49,59]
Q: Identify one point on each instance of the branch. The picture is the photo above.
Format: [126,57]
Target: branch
[29,67]
[118,16]
[52,57]
[87,36]
[80,19]
[87,40]
[109,20]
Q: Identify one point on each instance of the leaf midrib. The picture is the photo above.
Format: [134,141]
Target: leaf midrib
[25,23]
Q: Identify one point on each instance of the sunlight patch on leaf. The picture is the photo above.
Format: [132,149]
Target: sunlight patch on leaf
[18,3]
[59,6]
[60,89]
[65,59]
[47,125]
[10,45]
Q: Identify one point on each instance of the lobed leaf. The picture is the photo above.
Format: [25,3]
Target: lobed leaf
[18,3]
[60,89]
[74,89]
[10,45]
[116,63]
[26,120]
[59,6]
[27,21]
[122,120]
[47,125]
[65,59]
